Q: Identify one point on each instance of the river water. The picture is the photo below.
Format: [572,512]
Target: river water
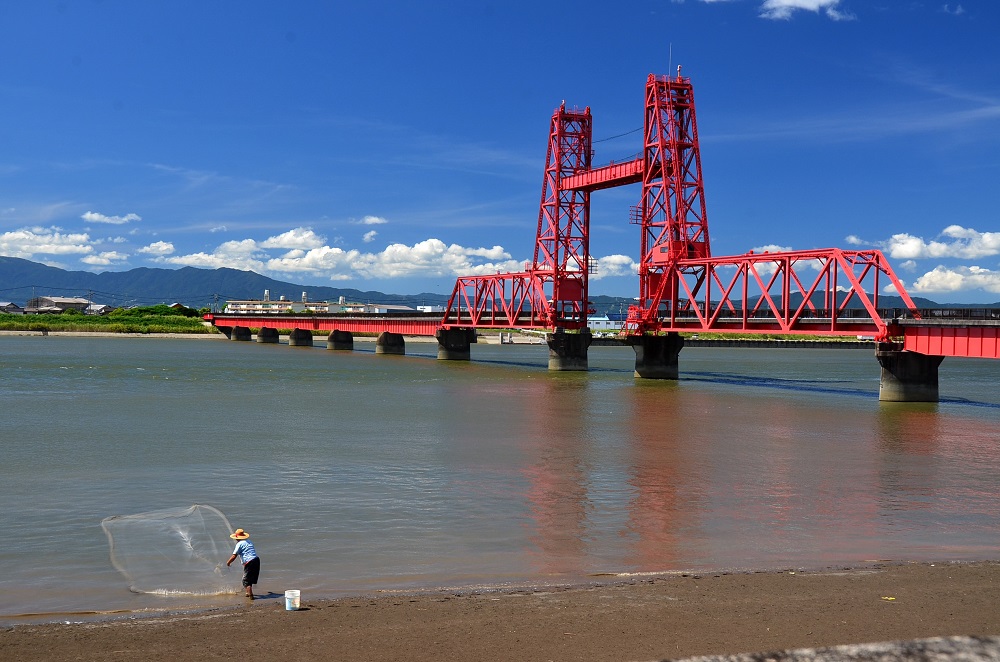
[358,473]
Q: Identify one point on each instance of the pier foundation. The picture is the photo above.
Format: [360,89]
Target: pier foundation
[340,340]
[907,376]
[390,343]
[568,351]
[300,338]
[241,333]
[455,344]
[267,335]
[656,356]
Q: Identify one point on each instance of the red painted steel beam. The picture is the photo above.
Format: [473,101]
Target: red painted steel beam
[794,292]
[614,174]
[973,341]
[553,289]
[416,325]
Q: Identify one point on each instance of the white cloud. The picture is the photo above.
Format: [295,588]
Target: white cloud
[615,265]
[783,9]
[28,242]
[370,236]
[772,248]
[295,238]
[244,255]
[957,11]
[372,220]
[320,261]
[105,259]
[959,242]
[432,257]
[94,217]
[157,248]
[944,279]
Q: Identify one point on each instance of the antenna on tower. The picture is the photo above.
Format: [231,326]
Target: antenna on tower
[670,57]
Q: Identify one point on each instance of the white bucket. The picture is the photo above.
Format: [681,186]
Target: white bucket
[291,600]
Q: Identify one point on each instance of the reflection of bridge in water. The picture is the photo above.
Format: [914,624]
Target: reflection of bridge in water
[683,287]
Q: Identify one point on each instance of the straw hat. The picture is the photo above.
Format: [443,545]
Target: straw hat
[240,534]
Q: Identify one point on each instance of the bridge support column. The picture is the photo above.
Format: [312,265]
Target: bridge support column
[568,351]
[455,344]
[656,356]
[907,376]
[390,343]
[340,340]
[241,333]
[267,334]
[300,338]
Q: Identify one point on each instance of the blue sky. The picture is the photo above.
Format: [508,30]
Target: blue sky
[397,145]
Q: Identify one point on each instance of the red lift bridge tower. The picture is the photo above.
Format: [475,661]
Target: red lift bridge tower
[682,286]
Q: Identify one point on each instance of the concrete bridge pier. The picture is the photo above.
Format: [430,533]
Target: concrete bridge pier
[267,335]
[300,338]
[455,344]
[390,343]
[568,351]
[241,333]
[656,356]
[907,376]
[340,340]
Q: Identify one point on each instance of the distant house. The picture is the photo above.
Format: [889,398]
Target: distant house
[98,309]
[55,305]
[380,308]
[610,322]
[11,308]
[283,305]
[280,305]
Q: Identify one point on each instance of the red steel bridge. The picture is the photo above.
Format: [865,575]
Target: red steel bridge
[683,287]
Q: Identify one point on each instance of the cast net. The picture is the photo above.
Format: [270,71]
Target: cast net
[173,552]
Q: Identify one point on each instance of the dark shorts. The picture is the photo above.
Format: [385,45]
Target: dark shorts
[251,571]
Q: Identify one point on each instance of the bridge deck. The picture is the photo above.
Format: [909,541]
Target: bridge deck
[407,324]
[980,339]
[937,336]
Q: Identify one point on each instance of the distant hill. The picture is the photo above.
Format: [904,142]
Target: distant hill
[21,280]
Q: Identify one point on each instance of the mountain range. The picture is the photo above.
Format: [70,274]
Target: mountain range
[21,280]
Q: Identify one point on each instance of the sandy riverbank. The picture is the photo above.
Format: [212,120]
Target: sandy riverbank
[646,618]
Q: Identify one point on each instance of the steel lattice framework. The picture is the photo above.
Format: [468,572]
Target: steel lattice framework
[682,287]
[553,290]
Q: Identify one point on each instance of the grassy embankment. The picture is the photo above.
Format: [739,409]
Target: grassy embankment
[147,319]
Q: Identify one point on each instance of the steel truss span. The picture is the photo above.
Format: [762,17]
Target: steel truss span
[682,287]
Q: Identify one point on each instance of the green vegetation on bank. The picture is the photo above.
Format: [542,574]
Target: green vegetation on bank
[146,319]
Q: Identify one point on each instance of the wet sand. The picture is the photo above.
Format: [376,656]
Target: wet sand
[648,618]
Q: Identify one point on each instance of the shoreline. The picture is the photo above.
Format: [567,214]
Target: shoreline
[486,339]
[656,616]
[112,334]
